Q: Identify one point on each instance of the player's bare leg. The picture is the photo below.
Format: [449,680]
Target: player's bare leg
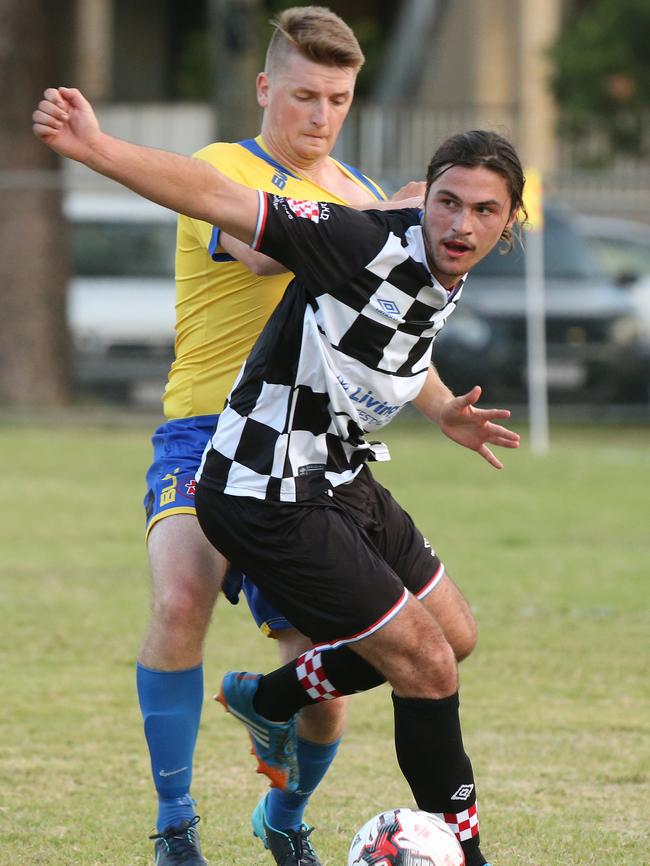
[412,653]
[186,576]
[450,609]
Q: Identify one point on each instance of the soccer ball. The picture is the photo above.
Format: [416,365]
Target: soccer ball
[404,837]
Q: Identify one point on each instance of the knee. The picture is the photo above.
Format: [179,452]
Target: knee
[464,642]
[439,668]
[181,604]
[429,670]
[323,722]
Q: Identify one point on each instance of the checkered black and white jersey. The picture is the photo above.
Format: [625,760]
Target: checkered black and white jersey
[346,348]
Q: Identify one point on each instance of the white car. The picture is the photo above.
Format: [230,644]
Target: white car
[623,249]
[622,246]
[122,294]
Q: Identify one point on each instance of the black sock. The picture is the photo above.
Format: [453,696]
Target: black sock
[279,694]
[430,752]
[313,677]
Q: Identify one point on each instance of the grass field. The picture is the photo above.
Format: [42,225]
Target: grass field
[554,554]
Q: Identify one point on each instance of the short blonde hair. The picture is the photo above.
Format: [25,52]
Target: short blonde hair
[318,34]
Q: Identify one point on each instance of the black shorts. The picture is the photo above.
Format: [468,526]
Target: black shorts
[338,567]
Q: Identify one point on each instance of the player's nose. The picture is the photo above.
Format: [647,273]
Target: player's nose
[319,114]
[462,223]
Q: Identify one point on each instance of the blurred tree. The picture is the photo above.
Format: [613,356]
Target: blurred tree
[371,21]
[235,61]
[33,263]
[602,75]
[195,27]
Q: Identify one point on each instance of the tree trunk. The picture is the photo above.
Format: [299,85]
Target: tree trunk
[34,350]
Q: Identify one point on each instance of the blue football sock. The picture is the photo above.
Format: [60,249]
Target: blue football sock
[285,811]
[171,703]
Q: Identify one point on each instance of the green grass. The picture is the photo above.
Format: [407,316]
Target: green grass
[552,552]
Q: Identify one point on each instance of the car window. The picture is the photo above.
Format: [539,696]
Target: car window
[109,249]
[566,255]
[622,255]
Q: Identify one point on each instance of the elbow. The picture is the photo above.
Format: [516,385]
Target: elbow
[203,206]
[260,269]
[211,210]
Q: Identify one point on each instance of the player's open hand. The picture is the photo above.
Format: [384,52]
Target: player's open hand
[65,121]
[474,428]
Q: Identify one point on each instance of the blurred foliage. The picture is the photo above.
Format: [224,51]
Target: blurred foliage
[192,71]
[189,43]
[371,22]
[602,76]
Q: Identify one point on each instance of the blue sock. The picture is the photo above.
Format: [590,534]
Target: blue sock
[285,811]
[171,703]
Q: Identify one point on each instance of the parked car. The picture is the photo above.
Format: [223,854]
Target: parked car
[621,246]
[122,294]
[595,350]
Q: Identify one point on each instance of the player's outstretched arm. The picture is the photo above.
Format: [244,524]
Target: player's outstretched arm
[462,421]
[66,122]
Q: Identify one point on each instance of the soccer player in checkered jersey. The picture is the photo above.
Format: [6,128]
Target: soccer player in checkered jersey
[225,294]
[284,490]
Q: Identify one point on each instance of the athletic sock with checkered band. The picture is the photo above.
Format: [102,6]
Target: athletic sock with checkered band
[430,752]
[313,677]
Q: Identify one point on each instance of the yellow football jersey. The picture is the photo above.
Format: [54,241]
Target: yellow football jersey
[221,306]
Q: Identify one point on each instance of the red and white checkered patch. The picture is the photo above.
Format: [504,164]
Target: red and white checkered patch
[311,676]
[305,209]
[464,824]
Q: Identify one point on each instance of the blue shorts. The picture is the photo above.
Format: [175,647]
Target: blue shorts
[178,447]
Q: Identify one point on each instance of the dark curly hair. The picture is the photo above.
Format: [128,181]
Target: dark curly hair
[479,147]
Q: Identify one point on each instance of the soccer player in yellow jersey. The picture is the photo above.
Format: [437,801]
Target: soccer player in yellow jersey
[225,294]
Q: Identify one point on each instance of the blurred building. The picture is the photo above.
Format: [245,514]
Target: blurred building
[449,65]
[177,75]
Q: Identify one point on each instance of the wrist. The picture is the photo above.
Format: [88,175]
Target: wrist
[98,152]
[432,402]
[437,406]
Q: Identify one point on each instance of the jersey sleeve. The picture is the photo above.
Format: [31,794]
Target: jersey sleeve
[324,244]
[221,156]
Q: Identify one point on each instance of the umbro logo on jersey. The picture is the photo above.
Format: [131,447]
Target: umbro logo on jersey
[389,308]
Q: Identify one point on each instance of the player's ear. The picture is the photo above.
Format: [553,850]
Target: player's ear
[511,219]
[262,89]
